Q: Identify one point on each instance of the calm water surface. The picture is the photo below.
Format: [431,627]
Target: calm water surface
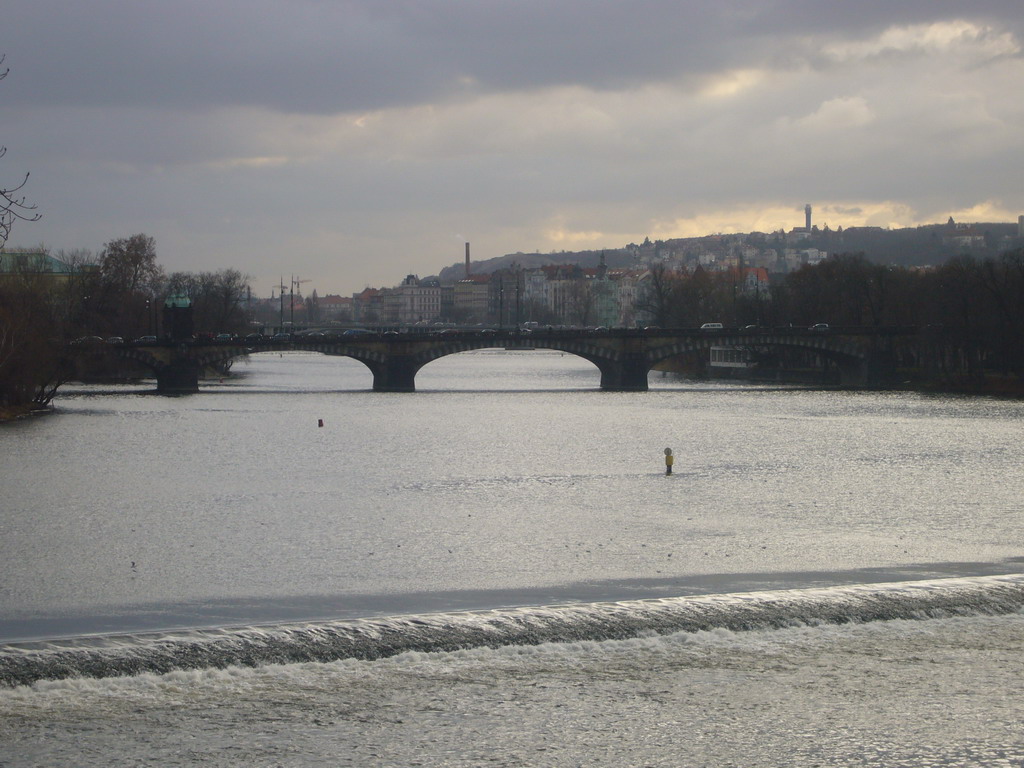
[504,472]
[510,479]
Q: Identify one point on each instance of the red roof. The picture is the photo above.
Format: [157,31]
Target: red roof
[334,300]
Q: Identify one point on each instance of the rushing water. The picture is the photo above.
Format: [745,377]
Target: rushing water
[496,570]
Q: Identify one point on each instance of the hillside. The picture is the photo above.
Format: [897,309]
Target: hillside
[613,258]
[927,245]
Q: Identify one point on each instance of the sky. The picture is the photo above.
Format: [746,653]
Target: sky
[349,143]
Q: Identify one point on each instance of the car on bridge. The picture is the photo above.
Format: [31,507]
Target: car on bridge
[819,327]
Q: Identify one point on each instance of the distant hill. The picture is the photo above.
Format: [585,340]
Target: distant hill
[620,257]
[932,244]
[927,245]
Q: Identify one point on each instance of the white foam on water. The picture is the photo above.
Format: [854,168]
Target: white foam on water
[898,692]
[372,639]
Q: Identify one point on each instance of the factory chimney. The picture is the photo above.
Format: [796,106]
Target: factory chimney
[467,261]
[807,217]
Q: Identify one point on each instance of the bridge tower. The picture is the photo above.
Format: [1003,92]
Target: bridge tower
[178,323]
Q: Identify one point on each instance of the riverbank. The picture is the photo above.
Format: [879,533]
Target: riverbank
[12,412]
[991,385]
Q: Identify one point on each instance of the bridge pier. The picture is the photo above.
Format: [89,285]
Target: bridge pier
[880,369]
[180,377]
[628,374]
[877,370]
[395,374]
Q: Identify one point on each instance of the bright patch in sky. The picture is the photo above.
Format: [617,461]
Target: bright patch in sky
[348,141]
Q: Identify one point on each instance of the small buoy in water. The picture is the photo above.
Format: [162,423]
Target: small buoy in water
[319,422]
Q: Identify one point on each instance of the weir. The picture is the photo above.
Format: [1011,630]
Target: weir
[368,639]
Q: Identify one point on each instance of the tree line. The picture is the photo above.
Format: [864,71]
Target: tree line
[972,309]
[118,293]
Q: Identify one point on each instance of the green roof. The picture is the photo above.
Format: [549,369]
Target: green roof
[178,300]
[32,261]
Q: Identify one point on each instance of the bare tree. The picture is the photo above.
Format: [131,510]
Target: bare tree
[32,364]
[13,205]
[580,302]
[218,298]
[128,280]
[656,301]
[129,265]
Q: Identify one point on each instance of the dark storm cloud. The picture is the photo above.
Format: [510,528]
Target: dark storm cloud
[324,56]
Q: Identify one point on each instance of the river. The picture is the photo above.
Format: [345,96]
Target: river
[290,569]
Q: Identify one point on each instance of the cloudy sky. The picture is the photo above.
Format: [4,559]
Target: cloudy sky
[351,142]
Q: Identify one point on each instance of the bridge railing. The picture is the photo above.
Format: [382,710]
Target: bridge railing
[506,334]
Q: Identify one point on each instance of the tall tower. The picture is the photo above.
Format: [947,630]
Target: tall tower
[467,260]
[807,217]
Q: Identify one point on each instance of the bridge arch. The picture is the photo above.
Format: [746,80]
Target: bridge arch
[624,357]
[851,359]
[585,364]
[397,372]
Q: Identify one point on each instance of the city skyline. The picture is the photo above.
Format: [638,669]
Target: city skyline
[354,143]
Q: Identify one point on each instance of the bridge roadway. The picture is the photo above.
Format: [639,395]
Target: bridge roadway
[624,357]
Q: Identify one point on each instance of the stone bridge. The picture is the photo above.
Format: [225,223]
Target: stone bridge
[624,357]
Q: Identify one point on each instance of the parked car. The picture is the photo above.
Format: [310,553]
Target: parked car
[819,327]
[115,340]
[146,340]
